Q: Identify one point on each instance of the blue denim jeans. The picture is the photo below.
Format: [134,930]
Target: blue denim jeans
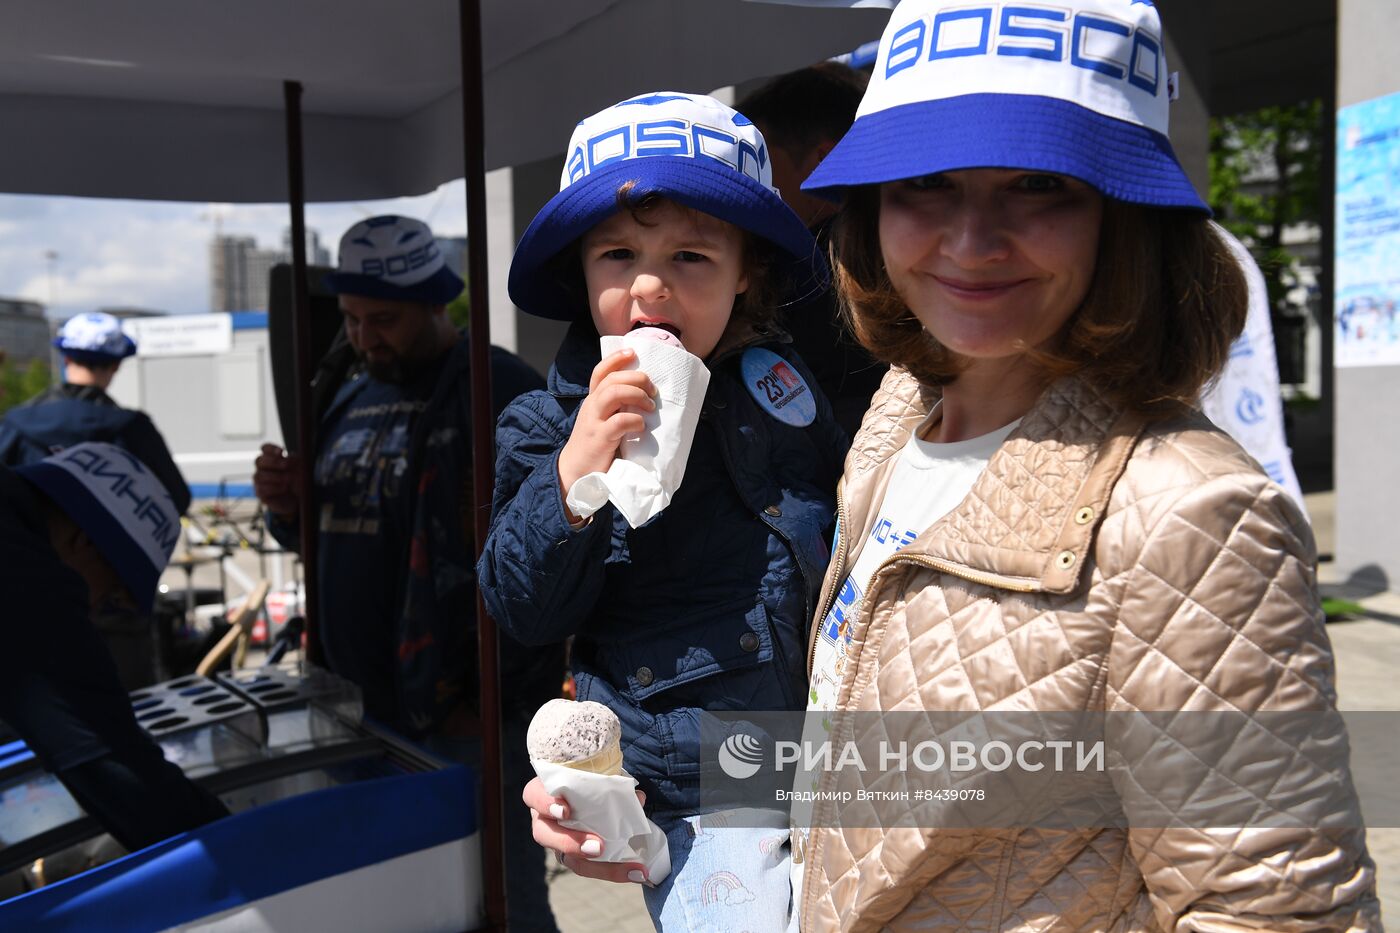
[728,873]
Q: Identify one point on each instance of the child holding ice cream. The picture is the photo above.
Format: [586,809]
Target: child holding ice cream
[681,596]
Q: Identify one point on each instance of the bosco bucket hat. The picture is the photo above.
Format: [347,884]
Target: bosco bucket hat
[396,258]
[688,148]
[1079,89]
[121,506]
[94,339]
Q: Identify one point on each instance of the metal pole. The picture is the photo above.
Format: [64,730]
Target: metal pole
[483,460]
[303,369]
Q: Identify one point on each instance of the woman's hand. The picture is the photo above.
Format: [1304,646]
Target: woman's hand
[617,399]
[574,848]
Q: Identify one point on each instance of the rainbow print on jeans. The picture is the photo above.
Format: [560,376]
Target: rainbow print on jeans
[724,887]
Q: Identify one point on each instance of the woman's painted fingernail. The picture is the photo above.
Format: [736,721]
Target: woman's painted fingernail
[556,810]
[636,877]
[591,848]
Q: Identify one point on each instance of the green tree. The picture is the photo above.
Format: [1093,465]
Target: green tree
[36,379]
[20,383]
[1265,175]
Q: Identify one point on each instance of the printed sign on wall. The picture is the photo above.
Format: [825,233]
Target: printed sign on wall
[1367,328]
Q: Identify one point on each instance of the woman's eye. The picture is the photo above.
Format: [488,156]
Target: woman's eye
[928,182]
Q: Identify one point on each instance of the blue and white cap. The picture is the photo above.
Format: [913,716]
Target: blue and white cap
[688,148]
[119,504]
[393,257]
[94,339]
[1078,88]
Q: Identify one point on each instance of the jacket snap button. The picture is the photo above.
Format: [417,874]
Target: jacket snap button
[774,511]
[718,404]
[748,641]
[1065,560]
[645,676]
[1084,516]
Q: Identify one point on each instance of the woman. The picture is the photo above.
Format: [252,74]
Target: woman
[1035,518]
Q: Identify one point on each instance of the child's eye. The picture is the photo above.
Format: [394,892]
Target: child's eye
[687,255]
[620,253]
[1040,183]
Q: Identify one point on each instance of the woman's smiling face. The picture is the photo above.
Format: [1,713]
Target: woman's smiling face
[990,261]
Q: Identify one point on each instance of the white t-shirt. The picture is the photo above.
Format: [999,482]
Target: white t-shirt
[928,482]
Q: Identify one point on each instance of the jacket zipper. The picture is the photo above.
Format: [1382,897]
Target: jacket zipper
[829,590]
[934,563]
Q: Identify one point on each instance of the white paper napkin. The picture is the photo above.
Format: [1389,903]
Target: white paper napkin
[649,468]
[606,805]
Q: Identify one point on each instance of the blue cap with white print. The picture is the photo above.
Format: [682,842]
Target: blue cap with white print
[687,148]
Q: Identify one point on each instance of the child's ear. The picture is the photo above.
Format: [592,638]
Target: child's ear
[743,285]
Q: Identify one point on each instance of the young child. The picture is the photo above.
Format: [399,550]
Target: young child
[666,218]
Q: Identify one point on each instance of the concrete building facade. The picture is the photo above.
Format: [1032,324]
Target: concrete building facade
[239,271]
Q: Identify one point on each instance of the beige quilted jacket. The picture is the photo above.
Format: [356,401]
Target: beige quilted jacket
[1097,564]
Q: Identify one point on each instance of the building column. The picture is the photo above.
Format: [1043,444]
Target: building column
[1368,426]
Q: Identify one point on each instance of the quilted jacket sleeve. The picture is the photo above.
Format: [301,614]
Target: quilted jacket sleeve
[539,577]
[1220,617]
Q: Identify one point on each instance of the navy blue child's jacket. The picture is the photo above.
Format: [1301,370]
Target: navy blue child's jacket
[705,607]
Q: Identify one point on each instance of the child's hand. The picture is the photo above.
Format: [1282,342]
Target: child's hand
[617,398]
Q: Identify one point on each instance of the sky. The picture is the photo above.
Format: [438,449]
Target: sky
[155,254]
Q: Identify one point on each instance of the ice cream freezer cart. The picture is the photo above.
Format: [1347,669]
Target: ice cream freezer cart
[337,824]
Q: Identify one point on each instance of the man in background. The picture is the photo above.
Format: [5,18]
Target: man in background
[802,115]
[80,410]
[93,347]
[85,527]
[391,500]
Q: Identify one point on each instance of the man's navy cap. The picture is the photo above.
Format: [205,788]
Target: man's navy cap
[393,257]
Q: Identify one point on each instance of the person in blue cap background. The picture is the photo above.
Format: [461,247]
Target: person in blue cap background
[392,497]
[93,346]
[667,218]
[1019,241]
[77,529]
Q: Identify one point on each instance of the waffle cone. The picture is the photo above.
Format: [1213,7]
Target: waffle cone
[608,761]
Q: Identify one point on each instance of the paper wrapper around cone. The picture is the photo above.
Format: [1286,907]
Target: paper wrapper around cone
[649,468]
[602,796]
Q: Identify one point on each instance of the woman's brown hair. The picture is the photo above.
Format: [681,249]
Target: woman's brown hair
[756,306]
[1166,302]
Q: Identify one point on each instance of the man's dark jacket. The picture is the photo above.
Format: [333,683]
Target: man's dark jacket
[436,632]
[70,414]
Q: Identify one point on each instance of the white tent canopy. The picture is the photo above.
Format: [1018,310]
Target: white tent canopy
[182,99]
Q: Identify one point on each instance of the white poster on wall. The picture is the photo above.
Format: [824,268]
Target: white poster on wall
[1367,326]
[180,334]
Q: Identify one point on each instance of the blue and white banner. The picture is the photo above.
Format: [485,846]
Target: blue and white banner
[1367,323]
[1245,400]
